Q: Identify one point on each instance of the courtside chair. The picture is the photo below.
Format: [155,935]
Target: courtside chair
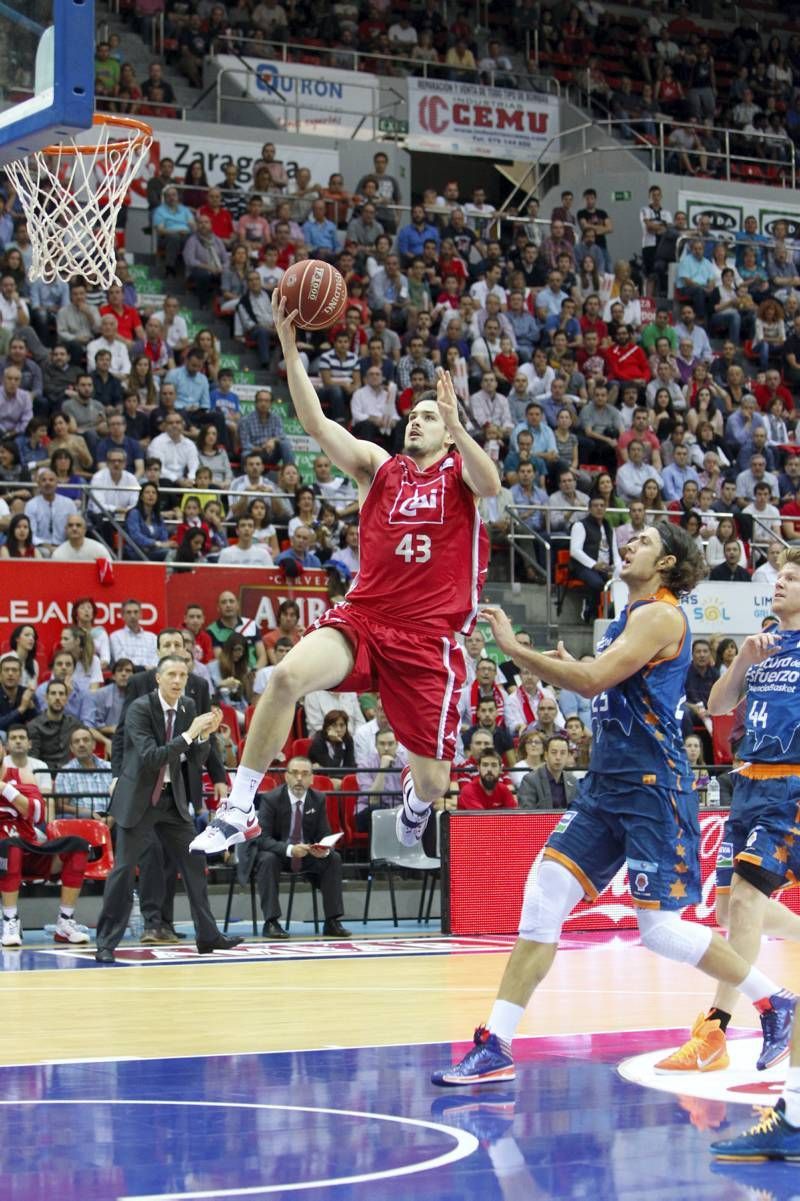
[387,854]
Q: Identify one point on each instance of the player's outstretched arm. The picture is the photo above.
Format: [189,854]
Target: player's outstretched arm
[355,457]
[650,634]
[480,473]
[730,688]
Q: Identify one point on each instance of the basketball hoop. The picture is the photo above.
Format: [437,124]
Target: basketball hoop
[71,195]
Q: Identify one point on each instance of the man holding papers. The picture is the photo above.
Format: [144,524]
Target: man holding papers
[295,836]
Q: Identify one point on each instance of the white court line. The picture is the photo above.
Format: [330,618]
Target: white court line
[466,1144]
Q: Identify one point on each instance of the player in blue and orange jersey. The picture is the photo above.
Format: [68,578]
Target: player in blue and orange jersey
[636,805]
[760,850]
[424,552]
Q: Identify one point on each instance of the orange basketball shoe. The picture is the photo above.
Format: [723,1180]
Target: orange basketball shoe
[705,1050]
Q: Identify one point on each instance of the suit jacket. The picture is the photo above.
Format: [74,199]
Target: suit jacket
[146,751]
[534,791]
[142,682]
[275,819]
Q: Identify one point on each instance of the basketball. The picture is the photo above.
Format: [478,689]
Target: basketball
[318,292]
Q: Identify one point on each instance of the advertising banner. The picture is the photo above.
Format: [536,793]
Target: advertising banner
[317,100]
[714,608]
[462,118]
[479,899]
[41,594]
[260,592]
[728,213]
[215,153]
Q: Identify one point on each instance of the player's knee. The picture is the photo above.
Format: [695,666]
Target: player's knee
[288,679]
[663,932]
[551,893]
[431,780]
[747,897]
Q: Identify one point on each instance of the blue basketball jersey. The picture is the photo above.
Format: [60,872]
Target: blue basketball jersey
[636,725]
[772,705]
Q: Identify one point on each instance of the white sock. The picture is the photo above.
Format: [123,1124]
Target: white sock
[791,1096]
[245,786]
[504,1019]
[411,799]
[756,986]
[10,913]
[67,910]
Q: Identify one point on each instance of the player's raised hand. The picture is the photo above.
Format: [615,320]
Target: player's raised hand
[502,629]
[447,400]
[284,322]
[758,647]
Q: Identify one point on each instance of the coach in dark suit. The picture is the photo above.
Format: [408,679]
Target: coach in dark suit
[549,786]
[158,874]
[164,735]
[293,820]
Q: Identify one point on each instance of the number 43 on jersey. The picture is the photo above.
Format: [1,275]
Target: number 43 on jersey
[414,548]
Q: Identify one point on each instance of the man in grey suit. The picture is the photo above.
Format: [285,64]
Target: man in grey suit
[164,734]
[158,872]
[549,786]
[293,819]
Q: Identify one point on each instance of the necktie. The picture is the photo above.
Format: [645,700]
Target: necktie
[161,775]
[296,833]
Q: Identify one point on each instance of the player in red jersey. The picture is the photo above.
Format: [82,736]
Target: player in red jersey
[21,809]
[422,564]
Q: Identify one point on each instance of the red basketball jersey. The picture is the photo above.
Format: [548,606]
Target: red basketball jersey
[424,549]
[12,823]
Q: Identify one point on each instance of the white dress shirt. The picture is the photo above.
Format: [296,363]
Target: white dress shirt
[179,460]
[120,359]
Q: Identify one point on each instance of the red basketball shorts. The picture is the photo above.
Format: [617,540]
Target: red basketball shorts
[418,674]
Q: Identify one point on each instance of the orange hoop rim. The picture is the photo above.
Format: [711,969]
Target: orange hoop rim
[141,128]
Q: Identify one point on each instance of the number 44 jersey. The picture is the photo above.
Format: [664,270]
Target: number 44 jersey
[423,547]
[772,705]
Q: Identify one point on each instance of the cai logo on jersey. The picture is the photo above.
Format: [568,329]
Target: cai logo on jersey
[418,504]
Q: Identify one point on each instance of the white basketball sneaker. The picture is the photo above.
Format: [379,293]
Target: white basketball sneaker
[231,826]
[68,930]
[12,932]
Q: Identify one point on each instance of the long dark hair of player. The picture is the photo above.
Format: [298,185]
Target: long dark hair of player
[689,567]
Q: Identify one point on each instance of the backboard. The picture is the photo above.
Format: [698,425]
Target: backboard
[46,73]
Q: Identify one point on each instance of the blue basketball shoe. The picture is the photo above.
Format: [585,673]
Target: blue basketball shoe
[488,1062]
[776,1023]
[771,1138]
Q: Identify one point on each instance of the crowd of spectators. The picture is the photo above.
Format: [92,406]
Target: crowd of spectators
[661,64]
[607,393]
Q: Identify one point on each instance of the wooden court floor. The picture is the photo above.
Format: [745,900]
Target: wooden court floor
[192,1008]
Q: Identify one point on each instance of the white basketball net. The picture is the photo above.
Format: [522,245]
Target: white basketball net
[71,201]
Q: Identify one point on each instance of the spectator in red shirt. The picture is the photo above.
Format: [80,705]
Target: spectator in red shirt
[625,361]
[194,620]
[765,393]
[790,514]
[220,218]
[591,319]
[129,323]
[487,791]
[640,432]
